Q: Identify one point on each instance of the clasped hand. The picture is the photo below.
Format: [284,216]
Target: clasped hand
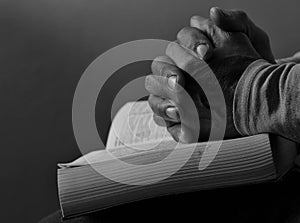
[214,52]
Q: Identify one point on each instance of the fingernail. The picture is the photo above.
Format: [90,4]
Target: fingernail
[172,82]
[172,113]
[202,50]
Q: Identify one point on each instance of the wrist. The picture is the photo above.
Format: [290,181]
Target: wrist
[245,112]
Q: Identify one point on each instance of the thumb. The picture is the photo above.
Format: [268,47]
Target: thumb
[238,21]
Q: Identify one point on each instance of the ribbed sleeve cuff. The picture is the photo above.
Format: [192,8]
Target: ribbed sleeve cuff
[241,100]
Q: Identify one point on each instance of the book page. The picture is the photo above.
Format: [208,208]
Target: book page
[240,161]
[134,125]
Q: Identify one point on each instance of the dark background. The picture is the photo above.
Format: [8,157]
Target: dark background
[45,45]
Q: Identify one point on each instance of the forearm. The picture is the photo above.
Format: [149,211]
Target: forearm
[267,99]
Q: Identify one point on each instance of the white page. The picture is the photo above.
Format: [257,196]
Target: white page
[134,125]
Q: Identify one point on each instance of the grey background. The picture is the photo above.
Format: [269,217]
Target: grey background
[45,45]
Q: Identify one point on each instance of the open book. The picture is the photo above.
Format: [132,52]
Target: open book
[135,139]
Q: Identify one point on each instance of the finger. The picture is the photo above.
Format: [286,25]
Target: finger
[231,20]
[162,99]
[162,60]
[207,27]
[175,131]
[197,20]
[238,21]
[165,67]
[163,87]
[201,23]
[198,75]
[167,80]
[164,108]
[187,135]
[184,59]
[183,134]
[193,39]
[160,121]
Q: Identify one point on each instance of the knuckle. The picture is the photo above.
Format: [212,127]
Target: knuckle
[162,65]
[152,102]
[183,32]
[148,82]
[198,21]
[150,99]
[159,120]
[162,70]
[170,46]
[162,59]
[196,18]
[242,15]
[191,37]
[204,24]
[155,65]
[158,105]
[161,107]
